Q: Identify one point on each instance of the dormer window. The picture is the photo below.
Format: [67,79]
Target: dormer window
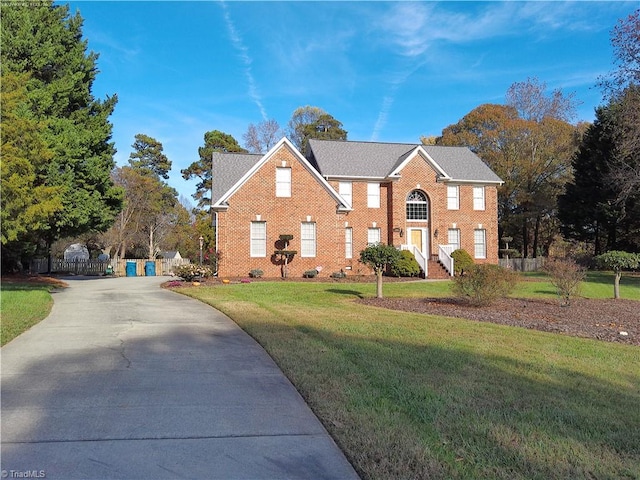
[283,182]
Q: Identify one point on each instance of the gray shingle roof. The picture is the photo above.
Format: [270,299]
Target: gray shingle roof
[228,168]
[357,160]
[379,160]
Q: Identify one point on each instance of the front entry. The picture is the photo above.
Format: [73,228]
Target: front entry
[418,238]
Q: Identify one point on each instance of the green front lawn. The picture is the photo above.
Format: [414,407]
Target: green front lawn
[420,396]
[21,307]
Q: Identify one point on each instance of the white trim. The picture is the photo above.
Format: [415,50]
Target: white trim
[427,157]
[221,203]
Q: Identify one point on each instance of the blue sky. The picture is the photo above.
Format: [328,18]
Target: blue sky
[389,71]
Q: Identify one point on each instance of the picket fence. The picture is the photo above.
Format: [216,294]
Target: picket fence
[523,264]
[163,266]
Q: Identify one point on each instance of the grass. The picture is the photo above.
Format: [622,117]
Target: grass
[596,285]
[21,307]
[420,396]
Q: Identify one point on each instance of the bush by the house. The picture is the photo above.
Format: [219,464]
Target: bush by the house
[310,274]
[406,266]
[566,275]
[190,271]
[462,261]
[256,273]
[338,275]
[481,285]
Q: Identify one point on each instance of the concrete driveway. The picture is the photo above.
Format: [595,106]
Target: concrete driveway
[125,380]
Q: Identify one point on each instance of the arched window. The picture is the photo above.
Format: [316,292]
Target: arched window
[417,206]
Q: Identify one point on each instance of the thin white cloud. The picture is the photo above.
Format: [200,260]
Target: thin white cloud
[415,30]
[243,51]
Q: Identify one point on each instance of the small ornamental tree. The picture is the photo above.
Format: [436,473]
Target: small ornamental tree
[618,261]
[379,256]
[566,275]
[283,256]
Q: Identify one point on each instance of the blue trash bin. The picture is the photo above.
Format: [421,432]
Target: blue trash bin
[150,269]
[131,269]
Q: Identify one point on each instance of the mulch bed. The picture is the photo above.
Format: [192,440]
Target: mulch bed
[34,280]
[606,320]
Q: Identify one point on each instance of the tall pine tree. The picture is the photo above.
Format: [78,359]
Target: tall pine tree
[44,42]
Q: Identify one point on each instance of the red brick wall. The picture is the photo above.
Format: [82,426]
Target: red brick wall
[283,216]
[418,174]
[308,198]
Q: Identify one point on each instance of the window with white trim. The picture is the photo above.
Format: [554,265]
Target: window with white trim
[283,182]
[373,236]
[258,239]
[373,195]
[453,197]
[454,237]
[345,189]
[480,243]
[348,242]
[308,239]
[417,206]
[478,198]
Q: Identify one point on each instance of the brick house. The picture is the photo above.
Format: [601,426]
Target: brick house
[346,195]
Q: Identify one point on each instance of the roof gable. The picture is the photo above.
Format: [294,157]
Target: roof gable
[374,160]
[244,166]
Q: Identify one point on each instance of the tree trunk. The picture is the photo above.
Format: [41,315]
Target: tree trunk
[616,285]
[151,249]
[536,235]
[379,284]
[525,239]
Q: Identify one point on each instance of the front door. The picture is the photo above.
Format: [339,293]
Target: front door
[418,238]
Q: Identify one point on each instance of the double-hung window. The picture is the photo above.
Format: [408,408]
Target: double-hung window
[308,239]
[453,197]
[373,236]
[283,182]
[373,195]
[345,189]
[454,237]
[478,198]
[480,243]
[348,242]
[258,239]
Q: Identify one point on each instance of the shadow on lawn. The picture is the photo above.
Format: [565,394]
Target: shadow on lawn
[477,415]
[345,291]
[459,414]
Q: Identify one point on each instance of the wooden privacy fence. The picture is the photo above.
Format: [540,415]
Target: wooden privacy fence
[163,266]
[523,264]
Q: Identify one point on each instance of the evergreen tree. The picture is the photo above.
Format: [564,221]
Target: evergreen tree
[45,43]
[592,209]
[214,141]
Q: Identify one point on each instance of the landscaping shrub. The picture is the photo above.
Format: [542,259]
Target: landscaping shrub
[462,261]
[190,271]
[566,275]
[256,273]
[310,274]
[338,275]
[406,266]
[481,285]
